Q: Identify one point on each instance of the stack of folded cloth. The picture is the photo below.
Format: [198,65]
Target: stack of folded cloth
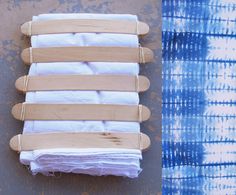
[94,161]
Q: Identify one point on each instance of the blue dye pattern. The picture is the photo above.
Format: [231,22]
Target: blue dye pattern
[199,97]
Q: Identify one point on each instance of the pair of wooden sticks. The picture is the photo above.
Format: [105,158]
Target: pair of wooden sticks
[26,111]
[91,54]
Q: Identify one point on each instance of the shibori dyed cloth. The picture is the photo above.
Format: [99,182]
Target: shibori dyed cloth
[199,97]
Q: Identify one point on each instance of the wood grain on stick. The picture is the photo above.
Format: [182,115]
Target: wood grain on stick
[110,112]
[83,82]
[87,54]
[33,141]
[84,26]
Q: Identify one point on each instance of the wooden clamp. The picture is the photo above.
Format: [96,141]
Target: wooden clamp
[87,54]
[29,142]
[110,112]
[83,82]
[84,26]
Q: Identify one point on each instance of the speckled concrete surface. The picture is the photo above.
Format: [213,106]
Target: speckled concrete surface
[15,178]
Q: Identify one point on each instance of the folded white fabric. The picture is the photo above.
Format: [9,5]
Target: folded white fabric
[94,161]
[86,97]
[84,68]
[84,39]
[89,161]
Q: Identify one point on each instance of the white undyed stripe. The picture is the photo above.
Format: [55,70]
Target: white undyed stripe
[221,48]
[219,153]
[220,110]
[225,2]
[220,96]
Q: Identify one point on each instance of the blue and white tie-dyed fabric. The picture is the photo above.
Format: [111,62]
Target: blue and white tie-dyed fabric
[199,97]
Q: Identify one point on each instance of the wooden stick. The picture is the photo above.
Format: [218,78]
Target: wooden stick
[87,54]
[83,82]
[84,26]
[29,142]
[27,111]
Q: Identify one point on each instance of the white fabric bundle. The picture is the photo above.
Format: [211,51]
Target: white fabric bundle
[121,162]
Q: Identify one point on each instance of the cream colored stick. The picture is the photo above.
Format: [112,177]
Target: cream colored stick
[84,26]
[110,112]
[87,54]
[29,142]
[83,82]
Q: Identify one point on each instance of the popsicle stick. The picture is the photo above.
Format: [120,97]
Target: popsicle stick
[84,26]
[83,82]
[27,111]
[87,54]
[29,142]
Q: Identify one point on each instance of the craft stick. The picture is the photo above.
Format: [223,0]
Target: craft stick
[110,112]
[87,54]
[83,82]
[36,141]
[84,26]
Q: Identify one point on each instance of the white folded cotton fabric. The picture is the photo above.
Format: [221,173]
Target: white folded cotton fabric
[120,162]
[93,161]
[84,68]
[84,39]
